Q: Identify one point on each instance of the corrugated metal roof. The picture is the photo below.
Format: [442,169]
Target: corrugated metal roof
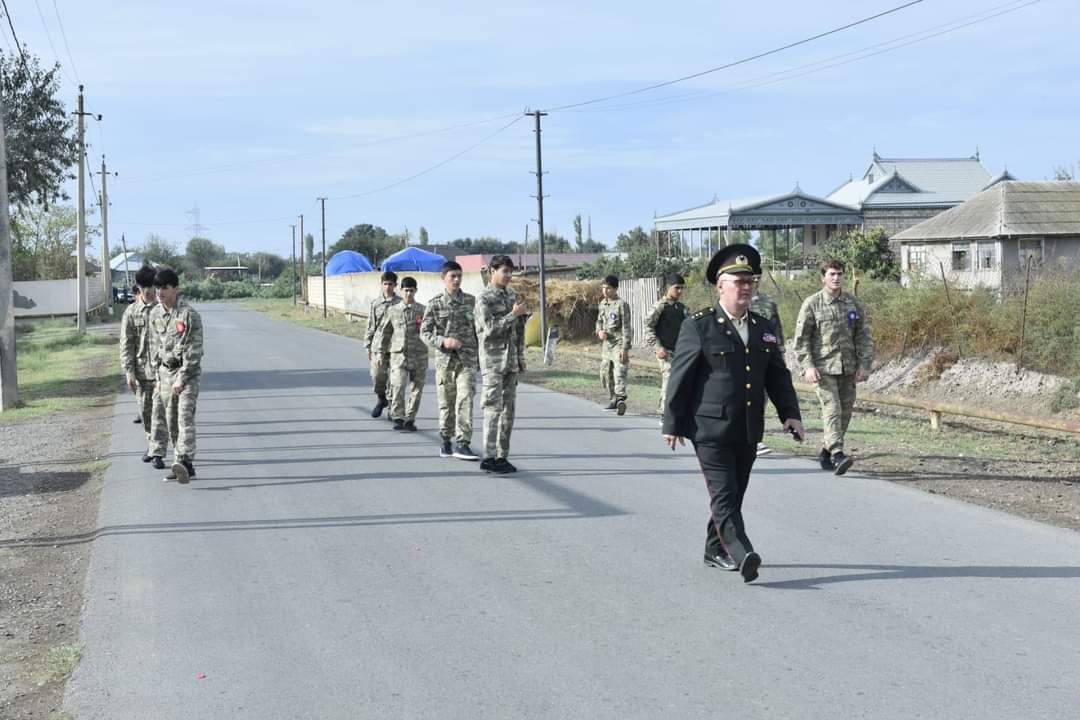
[1008,208]
[937,180]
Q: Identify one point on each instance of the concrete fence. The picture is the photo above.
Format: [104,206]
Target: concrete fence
[46,298]
[352,293]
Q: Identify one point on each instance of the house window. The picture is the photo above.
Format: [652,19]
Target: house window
[1031,248]
[916,259]
[813,236]
[961,260]
[987,256]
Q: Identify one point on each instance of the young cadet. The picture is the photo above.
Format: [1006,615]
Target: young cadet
[662,328]
[726,362]
[379,354]
[500,329]
[767,308]
[408,355]
[176,350]
[135,350]
[834,346]
[613,329]
[448,329]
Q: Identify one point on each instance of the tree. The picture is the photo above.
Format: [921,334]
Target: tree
[555,243]
[593,246]
[424,236]
[369,240]
[635,238]
[158,250]
[201,253]
[780,248]
[1065,172]
[484,246]
[866,252]
[43,243]
[578,242]
[309,246]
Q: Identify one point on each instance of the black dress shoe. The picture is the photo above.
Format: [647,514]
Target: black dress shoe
[138,420]
[379,407]
[841,462]
[399,424]
[409,426]
[159,464]
[826,461]
[750,565]
[506,465]
[721,560]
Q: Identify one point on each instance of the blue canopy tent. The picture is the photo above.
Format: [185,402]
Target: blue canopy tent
[413,258]
[348,261]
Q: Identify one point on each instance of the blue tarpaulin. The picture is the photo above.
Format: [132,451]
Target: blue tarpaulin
[348,261]
[413,258]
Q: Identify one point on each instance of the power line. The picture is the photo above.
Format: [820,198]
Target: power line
[11,25]
[48,36]
[833,61]
[741,61]
[66,46]
[433,167]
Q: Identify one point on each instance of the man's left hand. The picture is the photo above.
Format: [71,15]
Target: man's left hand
[862,375]
[796,429]
[177,388]
[672,439]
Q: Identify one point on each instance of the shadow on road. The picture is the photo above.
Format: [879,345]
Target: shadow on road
[13,482]
[861,573]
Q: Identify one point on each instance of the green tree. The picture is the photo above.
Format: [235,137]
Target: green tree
[201,253]
[37,131]
[555,243]
[483,246]
[158,250]
[578,242]
[780,248]
[592,246]
[424,236]
[634,239]
[43,243]
[309,247]
[868,253]
[369,240]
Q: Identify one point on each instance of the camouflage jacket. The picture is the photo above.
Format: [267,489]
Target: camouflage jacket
[500,333]
[766,307]
[176,339]
[662,325]
[377,312]
[401,333]
[833,334]
[449,316]
[613,317]
[135,339]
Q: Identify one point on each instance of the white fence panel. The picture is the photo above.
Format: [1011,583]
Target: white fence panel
[640,294]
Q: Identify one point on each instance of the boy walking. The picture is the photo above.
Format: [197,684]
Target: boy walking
[408,356]
[662,328]
[378,353]
[500,329]
[613,329]
[135,350]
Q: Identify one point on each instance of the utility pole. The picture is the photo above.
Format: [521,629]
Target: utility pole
[540,225]
[303,276]
[106,268]
[9,378]
[80,268]
[293,264]
[127,271]
[322,200]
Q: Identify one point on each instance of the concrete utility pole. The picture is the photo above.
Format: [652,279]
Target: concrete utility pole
[127,271]
[303,276]
[106,268]
[9,378]
[540,223]
[80,268]
[293,264]
[322,200]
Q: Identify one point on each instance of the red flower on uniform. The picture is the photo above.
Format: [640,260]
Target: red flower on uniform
[180,326]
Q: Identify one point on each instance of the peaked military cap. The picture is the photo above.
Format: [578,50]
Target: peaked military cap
[737,258]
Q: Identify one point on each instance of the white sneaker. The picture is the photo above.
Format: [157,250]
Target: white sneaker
[763,449]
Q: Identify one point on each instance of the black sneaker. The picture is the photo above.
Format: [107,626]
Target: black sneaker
[611,406]
[137,420]
[505,464]
[464,452]
[379,407]
[445,450]
[487,464]
[842,462]
[620,406]
[409,426]
[826,461]
[182,472]
[147,457]
[399,424]
[158,463]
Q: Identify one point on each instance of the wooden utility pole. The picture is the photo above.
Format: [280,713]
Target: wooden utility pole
[80,267]
[322,201]
[293,264]
[540,226]
[9,378]
[127,271]
[303,275]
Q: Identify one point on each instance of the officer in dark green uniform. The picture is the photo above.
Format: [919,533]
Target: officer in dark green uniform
[726,360]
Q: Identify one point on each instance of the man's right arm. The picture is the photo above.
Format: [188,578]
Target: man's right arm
[429,330]
[369,332]
[650,324]
[129,339]
[805,326]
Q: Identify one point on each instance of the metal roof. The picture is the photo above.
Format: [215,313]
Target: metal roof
[1009,208]
[931,181]
[719,212]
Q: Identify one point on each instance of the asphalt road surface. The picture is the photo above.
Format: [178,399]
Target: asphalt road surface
[321,565]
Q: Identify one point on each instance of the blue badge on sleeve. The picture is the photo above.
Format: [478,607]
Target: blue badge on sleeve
[852,316]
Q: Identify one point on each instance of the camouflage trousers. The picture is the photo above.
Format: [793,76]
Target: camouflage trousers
[174,416]
[456,386]
[500,396]
[144,397]
[404,379]
[380,374]
[837,396]
[613,376]
[665,373]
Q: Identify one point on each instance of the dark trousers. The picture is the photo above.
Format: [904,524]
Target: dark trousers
[727,475]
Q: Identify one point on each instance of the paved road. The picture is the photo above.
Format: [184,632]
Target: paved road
[323,566]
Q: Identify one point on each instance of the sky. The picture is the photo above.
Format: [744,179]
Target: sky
[251,110]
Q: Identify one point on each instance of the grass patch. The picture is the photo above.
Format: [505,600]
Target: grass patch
[1066,397]
[61,661]
[60,715]
[61,370]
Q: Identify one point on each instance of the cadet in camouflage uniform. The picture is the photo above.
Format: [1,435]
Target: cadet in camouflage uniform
[135,350]
[408,355]
[766,307]
[176,350]
[379,355]
[835,348]
[662,328]
[500,329]
[613,329]
[448,329]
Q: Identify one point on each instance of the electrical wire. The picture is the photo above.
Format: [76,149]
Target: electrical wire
[11,25]
[66,46]
[833,61]
[734,63]
[48,36]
